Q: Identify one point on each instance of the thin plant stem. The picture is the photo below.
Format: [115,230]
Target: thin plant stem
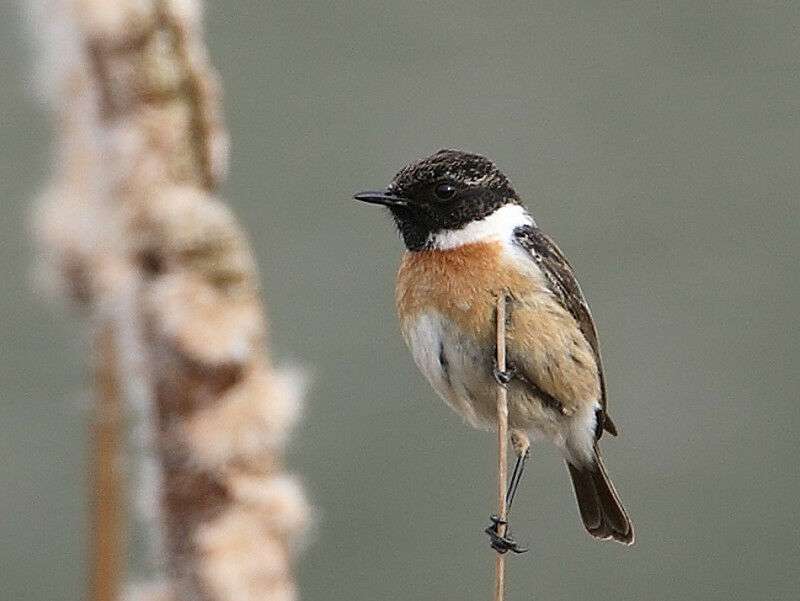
[502,445]
[106,485]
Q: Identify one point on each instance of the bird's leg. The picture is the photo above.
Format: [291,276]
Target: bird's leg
[522,447]
[504,543]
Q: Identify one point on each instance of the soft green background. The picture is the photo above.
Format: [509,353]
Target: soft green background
[657,142]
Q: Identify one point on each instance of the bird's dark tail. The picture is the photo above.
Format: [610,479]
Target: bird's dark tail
[600,507]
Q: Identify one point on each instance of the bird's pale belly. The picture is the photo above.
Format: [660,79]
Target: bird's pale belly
[460,371]
[438,289]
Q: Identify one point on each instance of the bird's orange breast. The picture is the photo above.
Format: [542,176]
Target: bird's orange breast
[462,284]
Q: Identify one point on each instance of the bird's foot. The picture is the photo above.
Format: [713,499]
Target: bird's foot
[502,543]
[503,377]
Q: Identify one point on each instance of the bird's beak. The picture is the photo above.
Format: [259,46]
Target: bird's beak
[381,197]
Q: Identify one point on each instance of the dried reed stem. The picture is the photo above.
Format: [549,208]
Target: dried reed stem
[106,483]
[502,445]
[132,230]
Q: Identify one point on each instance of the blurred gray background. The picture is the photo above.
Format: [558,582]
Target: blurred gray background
[658,143]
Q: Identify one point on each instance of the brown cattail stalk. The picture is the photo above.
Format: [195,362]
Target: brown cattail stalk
[131,229]
[105,481]
[502,445]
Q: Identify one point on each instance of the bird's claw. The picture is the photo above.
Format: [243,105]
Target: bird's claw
[505,543]
[503,377]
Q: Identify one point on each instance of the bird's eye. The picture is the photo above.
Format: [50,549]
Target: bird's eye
[444,191]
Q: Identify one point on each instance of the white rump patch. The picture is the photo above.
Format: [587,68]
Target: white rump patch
[579,432]
[500,225]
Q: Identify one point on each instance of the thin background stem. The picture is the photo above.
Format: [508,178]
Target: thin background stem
[106,486]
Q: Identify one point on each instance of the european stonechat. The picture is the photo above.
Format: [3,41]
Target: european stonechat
[469,240]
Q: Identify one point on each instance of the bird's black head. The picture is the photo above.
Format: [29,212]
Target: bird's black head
[445,191]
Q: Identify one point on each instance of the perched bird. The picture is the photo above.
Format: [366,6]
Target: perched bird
[469,240]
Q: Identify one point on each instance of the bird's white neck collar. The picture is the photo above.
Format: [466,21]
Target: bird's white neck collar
[499,225]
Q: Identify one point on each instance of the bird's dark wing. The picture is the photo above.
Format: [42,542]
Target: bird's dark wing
[563,284]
